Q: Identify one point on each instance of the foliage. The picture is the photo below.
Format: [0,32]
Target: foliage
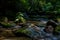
[20,16]
[10,8]
[58,28]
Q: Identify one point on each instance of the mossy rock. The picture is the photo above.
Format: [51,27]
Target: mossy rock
[6,25]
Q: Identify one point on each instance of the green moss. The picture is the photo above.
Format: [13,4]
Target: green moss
[23,30]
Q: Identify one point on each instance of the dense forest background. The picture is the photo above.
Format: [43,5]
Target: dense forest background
[10,8]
